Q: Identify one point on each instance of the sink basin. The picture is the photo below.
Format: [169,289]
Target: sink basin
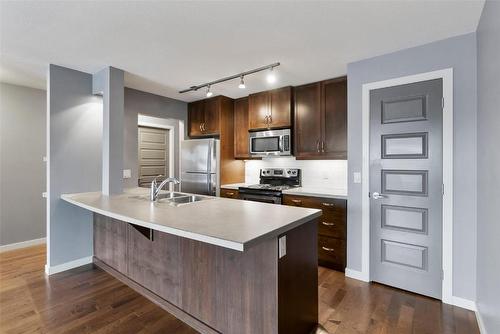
[173,198]
[160,196]
[184,199]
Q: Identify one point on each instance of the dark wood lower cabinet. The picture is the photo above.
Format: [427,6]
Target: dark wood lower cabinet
[332,228]
[215,289]
[229,193]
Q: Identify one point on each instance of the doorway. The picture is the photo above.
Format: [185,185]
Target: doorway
[153,154]
[408,184]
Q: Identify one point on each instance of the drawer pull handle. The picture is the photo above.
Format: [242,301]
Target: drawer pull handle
[230,194]
[327,204]
[328,224]
[328,249]
[297,201]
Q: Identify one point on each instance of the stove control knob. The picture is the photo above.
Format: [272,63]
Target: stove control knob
[288,172]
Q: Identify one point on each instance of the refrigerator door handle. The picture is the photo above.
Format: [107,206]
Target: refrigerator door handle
[209,166]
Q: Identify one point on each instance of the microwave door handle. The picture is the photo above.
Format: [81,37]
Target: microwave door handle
[280,144]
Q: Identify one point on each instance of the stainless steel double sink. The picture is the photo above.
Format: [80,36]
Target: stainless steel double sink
[174,198]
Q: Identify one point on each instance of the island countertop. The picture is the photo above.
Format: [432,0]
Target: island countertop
[228,223]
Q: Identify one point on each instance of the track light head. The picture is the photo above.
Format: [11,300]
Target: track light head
[271,77]
[209,93]
[242,83]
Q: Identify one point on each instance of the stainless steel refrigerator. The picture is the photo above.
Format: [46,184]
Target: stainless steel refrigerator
[200,161]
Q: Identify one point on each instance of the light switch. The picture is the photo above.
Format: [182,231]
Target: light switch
[356,177]
[127,173]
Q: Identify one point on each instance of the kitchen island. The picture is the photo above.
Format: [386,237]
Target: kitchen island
[220,265]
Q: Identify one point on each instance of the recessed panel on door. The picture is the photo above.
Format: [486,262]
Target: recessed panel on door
[404,182]
[403,254]
[405,146]
[404,109]
[402,218]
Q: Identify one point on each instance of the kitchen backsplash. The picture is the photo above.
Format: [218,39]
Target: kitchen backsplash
[331,174]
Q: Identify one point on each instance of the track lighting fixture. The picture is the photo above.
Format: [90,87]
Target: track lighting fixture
[209,93]
[242,83]
[271,78]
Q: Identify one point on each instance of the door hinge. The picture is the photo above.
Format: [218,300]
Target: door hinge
[442,103]
[442,275]
[442,189]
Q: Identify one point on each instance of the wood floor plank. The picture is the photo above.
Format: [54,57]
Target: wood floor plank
[88,300]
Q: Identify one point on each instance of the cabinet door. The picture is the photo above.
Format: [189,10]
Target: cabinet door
[196,117]
[211,114]
[281,107]
[307,120]
[258,110]
[334,144]
[241,128]
[110,242]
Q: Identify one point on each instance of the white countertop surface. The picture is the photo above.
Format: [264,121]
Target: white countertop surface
[224,222]
[317,192]
[301,191]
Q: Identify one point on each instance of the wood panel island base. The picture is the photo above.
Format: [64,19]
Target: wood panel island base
[212,288]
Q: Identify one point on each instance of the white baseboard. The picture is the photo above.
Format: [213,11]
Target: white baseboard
[359,275]
[464,303]
[68,265]
[22,244]
[480,322]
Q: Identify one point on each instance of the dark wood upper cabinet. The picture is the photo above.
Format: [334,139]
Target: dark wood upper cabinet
[258,108]
[203,117]
[241,128]
[335,124]
[270,109]
[308,120]
[321,120]
[196,117]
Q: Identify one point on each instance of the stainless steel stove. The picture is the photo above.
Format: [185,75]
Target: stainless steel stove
[272,182]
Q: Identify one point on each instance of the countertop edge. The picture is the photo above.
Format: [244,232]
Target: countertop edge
[238,246]
[181,233]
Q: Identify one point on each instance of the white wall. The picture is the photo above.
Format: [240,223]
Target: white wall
[488,168]
[329,174]
[22,170]
[74,124]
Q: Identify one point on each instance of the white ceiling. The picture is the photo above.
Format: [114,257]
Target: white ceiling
[168,46]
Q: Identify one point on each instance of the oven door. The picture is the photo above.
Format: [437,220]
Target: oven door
[273,199]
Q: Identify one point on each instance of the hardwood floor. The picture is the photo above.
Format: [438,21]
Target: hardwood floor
[88,300]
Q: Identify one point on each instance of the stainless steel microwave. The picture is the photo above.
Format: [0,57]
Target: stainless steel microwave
[269,143]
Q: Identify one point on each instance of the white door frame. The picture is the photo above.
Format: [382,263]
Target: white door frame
[447,76]
[171,149]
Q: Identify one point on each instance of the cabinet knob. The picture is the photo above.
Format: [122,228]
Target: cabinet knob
[328,224]
[328,249]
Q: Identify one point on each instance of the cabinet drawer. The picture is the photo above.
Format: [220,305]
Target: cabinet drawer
[331,253]
[331,206]
[332,227]
[229,193]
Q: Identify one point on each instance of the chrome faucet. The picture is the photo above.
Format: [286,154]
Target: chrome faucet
[155,188]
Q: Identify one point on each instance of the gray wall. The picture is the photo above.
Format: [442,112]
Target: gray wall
[22,170]
[138,102]
[457,52]
[488,167]
[75,161]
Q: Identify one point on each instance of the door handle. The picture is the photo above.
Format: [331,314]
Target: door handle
[201,130]
[328,249]
[323,146]
[328,224]
[270,117]
[377,195]
[317,145]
